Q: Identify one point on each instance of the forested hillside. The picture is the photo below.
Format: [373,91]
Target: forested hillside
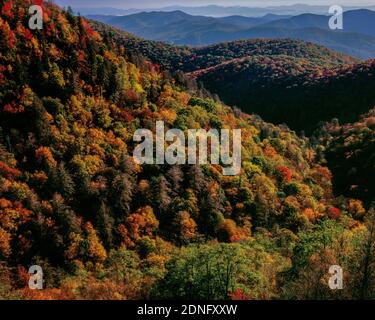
[350,154]
[284,89]
[284,81]
[187,59]
[73,200]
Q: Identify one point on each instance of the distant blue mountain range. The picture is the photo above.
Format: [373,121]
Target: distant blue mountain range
[220,11]
[178,27]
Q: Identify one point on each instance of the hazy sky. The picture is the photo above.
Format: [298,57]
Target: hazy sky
[161,3]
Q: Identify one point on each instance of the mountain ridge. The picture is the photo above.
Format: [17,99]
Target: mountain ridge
[220,11]
[183,29]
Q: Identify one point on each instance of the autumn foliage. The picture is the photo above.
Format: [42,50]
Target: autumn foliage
[73,200]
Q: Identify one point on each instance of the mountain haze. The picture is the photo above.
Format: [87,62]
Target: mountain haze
[176,27]
[357,21]
[222,11]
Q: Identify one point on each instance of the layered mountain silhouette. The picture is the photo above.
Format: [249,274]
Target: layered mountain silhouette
[222,11]
[177,27]
[359,21]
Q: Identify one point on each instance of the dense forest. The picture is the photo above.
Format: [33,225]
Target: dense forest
[350,154]
[294,91]
[73,200]
[190,59]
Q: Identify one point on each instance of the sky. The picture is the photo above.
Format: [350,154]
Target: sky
[140,4]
